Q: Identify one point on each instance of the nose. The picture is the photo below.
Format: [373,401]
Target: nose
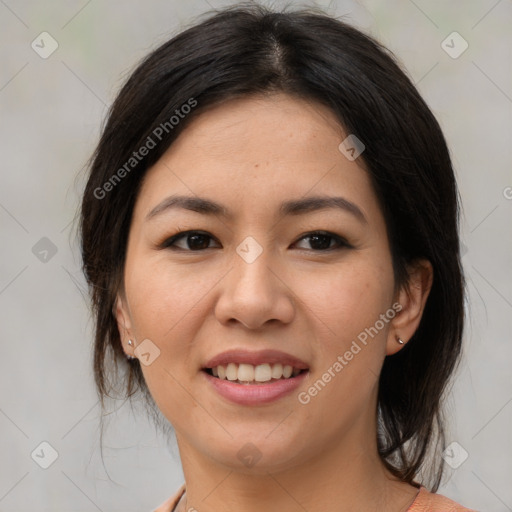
[255,293]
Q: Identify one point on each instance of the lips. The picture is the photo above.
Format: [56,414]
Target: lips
[253,378]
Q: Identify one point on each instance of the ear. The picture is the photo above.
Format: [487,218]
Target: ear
[124,326]
[412,297]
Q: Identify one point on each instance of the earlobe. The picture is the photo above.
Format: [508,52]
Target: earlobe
[412,297]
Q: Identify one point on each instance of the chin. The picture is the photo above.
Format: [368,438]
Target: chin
[256,454]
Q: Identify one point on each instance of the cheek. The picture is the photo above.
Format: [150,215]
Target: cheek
[164,304]
[158,313]
[349,299]
[350,337]
[163,297]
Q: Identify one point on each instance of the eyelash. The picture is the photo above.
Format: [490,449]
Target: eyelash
[168,243]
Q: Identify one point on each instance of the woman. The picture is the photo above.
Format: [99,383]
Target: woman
[270,235]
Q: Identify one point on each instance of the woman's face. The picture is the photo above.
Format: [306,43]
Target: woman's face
[257,286]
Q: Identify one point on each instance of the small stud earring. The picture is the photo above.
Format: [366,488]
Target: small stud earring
[130,342]
[400,340]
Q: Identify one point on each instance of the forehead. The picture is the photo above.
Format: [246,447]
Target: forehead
[259,125]
[258,150]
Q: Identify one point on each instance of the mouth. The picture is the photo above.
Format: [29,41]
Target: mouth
[254,378]
[244,373]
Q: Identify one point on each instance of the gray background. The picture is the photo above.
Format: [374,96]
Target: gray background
[51,114]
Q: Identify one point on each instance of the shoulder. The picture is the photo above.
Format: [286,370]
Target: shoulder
[429,502]
[168,505]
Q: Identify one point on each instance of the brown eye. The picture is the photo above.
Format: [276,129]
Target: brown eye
[193,241]
[323,241]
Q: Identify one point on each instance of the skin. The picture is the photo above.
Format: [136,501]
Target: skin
[250,155]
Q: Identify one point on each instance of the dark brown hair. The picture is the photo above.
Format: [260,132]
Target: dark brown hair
[250,49]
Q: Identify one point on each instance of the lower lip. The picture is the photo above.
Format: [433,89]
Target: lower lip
[255,394]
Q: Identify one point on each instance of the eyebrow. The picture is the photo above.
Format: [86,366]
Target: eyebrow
[292,207]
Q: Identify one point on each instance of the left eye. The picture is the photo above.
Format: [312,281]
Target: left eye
[321,241]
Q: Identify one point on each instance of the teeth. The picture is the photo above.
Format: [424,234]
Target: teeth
[287,371]
[248,373]
[277,371]
[262,373]
[231,371]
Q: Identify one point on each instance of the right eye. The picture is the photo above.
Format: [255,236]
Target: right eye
[194,241]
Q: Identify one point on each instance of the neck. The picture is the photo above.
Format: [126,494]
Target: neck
[346,477]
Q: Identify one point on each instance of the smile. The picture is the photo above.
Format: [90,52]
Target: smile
[244,373]
[254,378]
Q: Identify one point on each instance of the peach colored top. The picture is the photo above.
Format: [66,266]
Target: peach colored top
[425,501]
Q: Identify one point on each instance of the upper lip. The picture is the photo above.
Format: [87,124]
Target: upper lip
[255,358]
